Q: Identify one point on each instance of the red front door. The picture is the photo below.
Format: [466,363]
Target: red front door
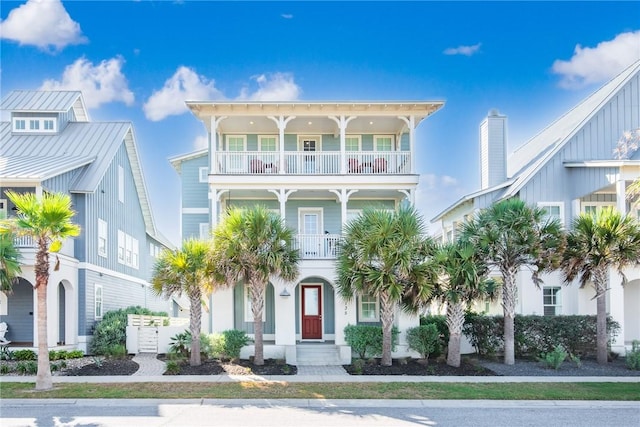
[311,312]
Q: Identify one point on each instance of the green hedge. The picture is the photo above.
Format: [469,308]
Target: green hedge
[366,340]
[443,331]
[535,335]
[112,329]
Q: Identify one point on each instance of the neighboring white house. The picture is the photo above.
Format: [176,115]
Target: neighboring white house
[50,145]
[317,164]
[567,168]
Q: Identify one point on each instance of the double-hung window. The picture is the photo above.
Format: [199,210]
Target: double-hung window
[121,247]
[551,300]
[369,309]
[383,143]
[352,143]
[98,301]
[553,210]
[102,237]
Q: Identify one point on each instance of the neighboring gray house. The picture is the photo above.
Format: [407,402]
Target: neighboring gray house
[49,145]
[567,168]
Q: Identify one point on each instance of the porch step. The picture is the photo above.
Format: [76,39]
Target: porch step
[318,355]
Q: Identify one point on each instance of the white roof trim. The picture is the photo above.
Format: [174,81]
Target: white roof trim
[471,196]
[177,160]
[601,163]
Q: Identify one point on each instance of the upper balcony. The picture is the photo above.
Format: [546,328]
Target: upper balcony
[27,242]
[314,163]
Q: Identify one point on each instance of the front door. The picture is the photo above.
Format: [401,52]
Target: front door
[310,226]
[311,312]
[309,148]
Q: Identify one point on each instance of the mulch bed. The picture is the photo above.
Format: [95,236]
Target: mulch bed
[242,367]
[104,367]
[417,368]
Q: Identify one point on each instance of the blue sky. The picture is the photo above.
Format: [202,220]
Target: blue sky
[139,61]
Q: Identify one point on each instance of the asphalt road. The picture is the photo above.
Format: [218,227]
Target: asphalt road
[333,413]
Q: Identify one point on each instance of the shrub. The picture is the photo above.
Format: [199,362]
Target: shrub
[4,369]
[234,340]
[535,335]
[555,358]
[358,366]
[173,368]
[5,353]
[366,340]
[117,351]
[443,330]
[181,344]
[424,339]
[25,355]
[27,367]
[75,354]
[633,357]
[112,329]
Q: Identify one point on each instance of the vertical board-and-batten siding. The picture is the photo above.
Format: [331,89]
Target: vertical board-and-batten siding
[61,183]
[595,140]
[239,307]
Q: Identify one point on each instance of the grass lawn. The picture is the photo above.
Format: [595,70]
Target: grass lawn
[283,390]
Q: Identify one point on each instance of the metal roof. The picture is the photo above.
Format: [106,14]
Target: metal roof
[39,168]
[41,101]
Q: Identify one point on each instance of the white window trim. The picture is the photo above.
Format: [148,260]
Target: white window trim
[558,297]
[244,142]
[14,124]
[302,211]
[375,143]
[361,319]
[203,174]
[316,138]
[359,138]
[598,205]
[543,205]
[40,121]
[98,295]
[260,137]
[248,313]
[121,184]
[121,247]
[103,232]
[135,256]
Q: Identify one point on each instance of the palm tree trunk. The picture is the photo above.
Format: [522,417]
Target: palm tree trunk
[44,380]
[509,298]
[386,317]
[195,319]
[600,282]
[257,306]
[455,322]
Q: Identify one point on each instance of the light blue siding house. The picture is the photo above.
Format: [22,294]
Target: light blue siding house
[317,164]
[567,168]
[50,145]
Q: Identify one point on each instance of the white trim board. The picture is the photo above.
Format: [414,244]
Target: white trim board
[98,269]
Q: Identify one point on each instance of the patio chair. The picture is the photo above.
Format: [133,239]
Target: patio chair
[256,166]
[3,330]
[353,166]
[379,165]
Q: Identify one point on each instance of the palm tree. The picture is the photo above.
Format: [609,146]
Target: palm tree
[47,220]
[508,236]
[462,279]
[253,245]
[187,270]
[9,262]
[597,242]
[384,255]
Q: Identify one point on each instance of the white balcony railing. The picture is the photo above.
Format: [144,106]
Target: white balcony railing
[23,242]
[317,246]
[314,163]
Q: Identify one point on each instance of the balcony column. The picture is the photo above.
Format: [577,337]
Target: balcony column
[621,195]
[281,122]
[342,122]
[283,196]
[214,202]
[213,142]
[343,198]
[411,125]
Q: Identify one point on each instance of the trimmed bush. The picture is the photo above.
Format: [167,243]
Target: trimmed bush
[443,330]
[366,340]
[112,329]
[75,354]
[234,340]
[424,339]
[25,355]
[632,359]
[535,335]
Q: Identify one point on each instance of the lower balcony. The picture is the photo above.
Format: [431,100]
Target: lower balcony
[317,246]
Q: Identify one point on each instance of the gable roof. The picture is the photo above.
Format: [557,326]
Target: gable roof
[32,101]
[176,161]
[530,157]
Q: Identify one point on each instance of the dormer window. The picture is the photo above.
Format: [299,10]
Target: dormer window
[34,124]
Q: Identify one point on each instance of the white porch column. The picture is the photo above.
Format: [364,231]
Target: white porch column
[214,201]
[411,125]
[285,311]
[621,195]
[281,122]
[411,196]
[343,198]
[616,308]
[283,196]
[221,310]
[342,122]
[213,143]
[575,210]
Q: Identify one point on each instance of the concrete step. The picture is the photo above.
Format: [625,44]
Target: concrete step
[317,355]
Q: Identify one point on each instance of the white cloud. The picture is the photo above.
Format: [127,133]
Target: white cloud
[287,16]
[272,87]
[185,84]
[201,141]
[590,65]
[42,23]
[463,50]
[99,84]
[434,194]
